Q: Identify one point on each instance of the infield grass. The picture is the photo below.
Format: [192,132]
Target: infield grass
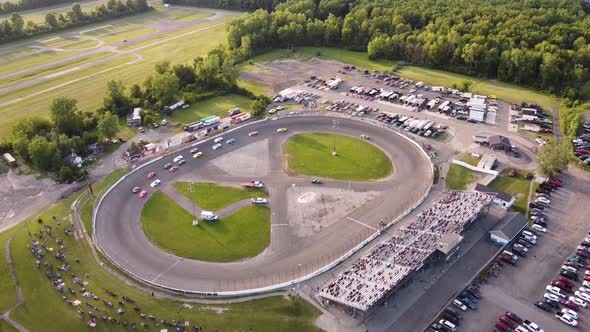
[218,105]
[80,45]
[213,197]
[311,154]
[243,234]
[471,160]
[45,310]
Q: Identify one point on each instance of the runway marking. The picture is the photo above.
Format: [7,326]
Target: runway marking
[168,269]
[280,225]
[358,222]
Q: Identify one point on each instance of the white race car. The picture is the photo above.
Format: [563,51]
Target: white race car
[259,200]
[216,146]
[155,183]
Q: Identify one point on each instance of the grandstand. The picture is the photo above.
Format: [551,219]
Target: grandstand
[389,263]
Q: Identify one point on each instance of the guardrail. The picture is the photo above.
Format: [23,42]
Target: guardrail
[279,285]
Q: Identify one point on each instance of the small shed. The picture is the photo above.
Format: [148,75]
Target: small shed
[498,142]
[9,159]
[448,243]
[508,228]
[500,199]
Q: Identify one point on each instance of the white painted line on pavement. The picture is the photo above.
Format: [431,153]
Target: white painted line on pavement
[358,222]
[168,269]
[279,225]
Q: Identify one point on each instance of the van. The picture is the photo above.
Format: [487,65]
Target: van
[511,254]
[529,234]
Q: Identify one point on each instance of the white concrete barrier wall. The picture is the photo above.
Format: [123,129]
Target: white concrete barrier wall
[288,283]
[474,168]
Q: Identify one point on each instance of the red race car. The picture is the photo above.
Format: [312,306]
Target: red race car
[151,175]
[142,194]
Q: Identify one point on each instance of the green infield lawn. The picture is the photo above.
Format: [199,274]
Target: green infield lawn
[246,233]
[45,310]
[5,327]
[311,154]
[219,106]
[516,186]
[210,196]
[459,177]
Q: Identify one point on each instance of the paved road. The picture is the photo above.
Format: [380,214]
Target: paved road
[118,229]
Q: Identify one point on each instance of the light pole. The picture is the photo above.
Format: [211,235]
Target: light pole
[190,188]
[334,126]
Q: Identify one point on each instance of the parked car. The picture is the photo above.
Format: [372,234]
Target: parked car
[514,317]
[533,327]
[544,306]
[508,322]
[570,312]
[578,301]
[459,305]
[567,319]
[568,274]
[569,304]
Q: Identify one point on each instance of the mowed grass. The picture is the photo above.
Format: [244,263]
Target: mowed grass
[516,186]
[51,70]
[257,88]
[117,37]
[32,60]
[458,177]
[187,17]
[243,234]
[471,160]
[45,310]
[311,154]
[7,288]
[99,189]
[89,90]
[5,327]
[213,197]
[80,45]
[218,105]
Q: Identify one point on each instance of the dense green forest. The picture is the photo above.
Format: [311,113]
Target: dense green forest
[13,6]
[539,43]
[15,27]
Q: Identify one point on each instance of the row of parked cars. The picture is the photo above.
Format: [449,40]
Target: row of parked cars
[419,127]
[582,144]
[450,319]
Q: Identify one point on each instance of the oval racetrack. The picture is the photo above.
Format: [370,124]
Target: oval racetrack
[117,226]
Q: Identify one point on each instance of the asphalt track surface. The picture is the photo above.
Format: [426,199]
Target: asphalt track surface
[119,234]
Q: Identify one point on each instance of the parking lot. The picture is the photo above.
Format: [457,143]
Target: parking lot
[518,287]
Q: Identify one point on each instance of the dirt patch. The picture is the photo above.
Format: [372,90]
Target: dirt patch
[251,160]
[273,72]
[311,209]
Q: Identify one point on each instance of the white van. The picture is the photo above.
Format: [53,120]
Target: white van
[208,216]
[529,234]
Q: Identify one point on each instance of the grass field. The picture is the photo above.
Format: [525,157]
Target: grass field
[5,327]
[471,160]
[458,177]
[311,154]
[44,309]
[99,189]
[192,17]
[213,197]
[7,290]
[243,234]
[257,88]
[516,186]
[212,106]
[119,36]
[80,45]
[88,85]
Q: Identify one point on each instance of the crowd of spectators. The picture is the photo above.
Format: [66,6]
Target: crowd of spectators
[388,263]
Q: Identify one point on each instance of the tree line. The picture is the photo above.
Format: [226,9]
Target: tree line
[242,5]
[539,43]
[15,27]
[44,143]
[7,7]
